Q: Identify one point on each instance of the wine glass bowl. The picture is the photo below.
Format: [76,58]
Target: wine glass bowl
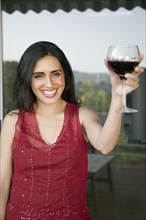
[123,59]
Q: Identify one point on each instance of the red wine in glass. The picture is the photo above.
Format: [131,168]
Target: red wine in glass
[123,67]
[123,59]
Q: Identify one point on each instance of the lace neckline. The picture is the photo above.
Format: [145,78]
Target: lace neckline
[38,133]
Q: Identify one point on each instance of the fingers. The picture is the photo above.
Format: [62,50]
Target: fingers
[136,73]
[141,57]
[132,83]
[132,80]
[107,65]
[110,69]
[134,76]
[138,70]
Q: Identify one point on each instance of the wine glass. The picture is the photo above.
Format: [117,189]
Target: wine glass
[123,59]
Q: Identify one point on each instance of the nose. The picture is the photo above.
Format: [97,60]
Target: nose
[48,81]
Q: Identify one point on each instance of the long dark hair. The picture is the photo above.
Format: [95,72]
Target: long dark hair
[23,95]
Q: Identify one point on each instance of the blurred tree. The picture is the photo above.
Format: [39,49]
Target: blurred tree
[95,96]
[9,68]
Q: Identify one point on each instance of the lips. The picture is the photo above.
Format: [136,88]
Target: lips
[50,93]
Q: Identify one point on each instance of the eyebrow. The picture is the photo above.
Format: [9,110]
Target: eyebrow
[41,72]
[56,71]
[37,73]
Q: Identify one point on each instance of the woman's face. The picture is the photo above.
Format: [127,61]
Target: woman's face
[48,80]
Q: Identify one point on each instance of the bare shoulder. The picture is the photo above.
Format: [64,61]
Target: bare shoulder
[11,117]
[10,121]
[88,114]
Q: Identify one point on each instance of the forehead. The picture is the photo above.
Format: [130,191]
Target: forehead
[47,62]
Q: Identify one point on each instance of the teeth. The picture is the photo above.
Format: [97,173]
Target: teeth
[49,92]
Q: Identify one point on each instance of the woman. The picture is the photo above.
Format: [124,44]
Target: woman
[45,138]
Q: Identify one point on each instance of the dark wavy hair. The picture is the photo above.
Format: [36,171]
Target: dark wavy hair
[22,92]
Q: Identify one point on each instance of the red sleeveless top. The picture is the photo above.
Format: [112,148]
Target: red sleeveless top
[49,181]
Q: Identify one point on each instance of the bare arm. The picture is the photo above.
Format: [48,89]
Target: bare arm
[7,134]
[104,138]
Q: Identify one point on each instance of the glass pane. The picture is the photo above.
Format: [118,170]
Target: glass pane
[84,37]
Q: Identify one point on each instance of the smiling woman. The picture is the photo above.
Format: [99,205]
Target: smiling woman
[48,80]
[50,144]
[44,73]
[83,37]
[46,136]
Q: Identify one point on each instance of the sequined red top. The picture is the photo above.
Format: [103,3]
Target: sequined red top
[49,181]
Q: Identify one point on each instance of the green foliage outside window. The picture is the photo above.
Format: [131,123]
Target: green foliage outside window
[9,75]
[94,96]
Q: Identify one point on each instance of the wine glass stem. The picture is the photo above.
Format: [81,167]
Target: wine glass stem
[124,94]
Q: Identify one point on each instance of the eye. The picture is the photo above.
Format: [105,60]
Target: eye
[38,75]
[56,74]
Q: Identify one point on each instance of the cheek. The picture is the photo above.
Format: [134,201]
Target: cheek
[63,83]
[63,80]
[35,84]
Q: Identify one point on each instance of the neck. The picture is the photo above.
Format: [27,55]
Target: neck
[49,109]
